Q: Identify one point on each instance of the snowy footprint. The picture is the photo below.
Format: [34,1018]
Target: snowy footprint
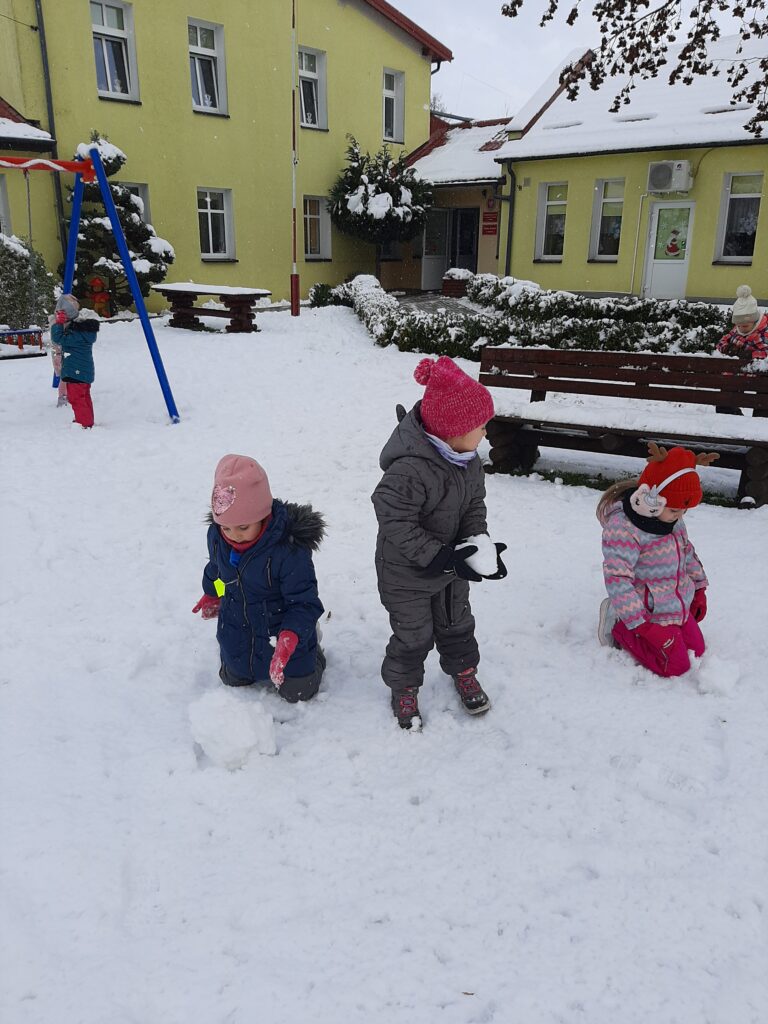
[715,675]
[229,727]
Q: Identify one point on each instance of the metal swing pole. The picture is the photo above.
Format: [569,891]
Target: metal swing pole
[295,288]
[130,273]
[74,229]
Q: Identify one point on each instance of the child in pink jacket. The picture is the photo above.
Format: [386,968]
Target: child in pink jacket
[656,584]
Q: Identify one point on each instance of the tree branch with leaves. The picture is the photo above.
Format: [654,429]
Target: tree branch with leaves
[635,42]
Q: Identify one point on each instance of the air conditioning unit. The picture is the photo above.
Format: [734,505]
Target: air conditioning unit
[670,176]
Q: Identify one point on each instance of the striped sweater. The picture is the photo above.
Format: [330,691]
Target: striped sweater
[649,577]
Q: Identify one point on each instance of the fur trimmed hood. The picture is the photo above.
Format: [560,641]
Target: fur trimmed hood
[304,527]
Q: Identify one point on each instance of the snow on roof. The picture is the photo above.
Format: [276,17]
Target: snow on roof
[466,153]
[658,116]
[11,129]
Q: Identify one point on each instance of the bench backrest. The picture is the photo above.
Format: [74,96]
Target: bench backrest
[701,380]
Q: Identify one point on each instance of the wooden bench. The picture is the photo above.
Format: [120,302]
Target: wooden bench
[29,336]
[663,393]
[240,305]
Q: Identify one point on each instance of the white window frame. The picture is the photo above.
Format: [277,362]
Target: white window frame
[397,96]
[597,218]
[126,36]
[324,229]
[218,57]
[229,226]
[5,208]
[141,190]
[319,79]
[725,202]
[541,220]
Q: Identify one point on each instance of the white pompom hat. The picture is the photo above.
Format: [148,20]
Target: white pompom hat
[745,309]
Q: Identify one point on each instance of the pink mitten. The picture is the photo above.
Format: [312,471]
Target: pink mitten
[699,604]
[284,648]
[208,606]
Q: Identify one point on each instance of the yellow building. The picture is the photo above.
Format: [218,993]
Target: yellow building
[665,198]
[199,97]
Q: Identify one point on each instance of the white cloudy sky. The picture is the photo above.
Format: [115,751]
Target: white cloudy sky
[497,62]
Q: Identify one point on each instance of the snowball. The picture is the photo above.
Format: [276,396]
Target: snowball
[229,727]
[484,561]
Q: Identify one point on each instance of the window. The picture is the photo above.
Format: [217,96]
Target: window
[312,90]
[141,193]
[214,215]
[5,210]
[114,50]
[739,211]
[394,117]
[550,234]
[606,220]
[317,229]
[206,67]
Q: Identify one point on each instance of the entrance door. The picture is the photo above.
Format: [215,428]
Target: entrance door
[434,260]
[669,242]
[466,222]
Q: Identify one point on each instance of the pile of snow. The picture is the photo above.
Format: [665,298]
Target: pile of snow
[230,726]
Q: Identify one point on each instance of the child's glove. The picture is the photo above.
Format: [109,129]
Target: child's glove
[449,559]
[284,648]
[61,316]
[660,637]
[699,604]
[208,606]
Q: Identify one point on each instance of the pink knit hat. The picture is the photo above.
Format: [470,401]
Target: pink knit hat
[453,403]
[241,493]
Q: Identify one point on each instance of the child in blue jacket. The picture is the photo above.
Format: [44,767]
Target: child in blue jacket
[75,332]
[260,582]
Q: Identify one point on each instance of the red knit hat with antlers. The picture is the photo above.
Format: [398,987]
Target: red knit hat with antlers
[684,491]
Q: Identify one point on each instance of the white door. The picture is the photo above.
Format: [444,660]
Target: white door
[667,253]
[434,260]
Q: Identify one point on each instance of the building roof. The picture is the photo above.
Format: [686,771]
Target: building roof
[463,154]
[659,115]
[432,46]
[15,129]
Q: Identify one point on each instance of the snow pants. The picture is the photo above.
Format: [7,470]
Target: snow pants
[674,661]
[79,396]
[425,613]
[294,689]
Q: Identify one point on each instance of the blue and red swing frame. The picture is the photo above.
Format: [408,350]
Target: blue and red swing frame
[86,171]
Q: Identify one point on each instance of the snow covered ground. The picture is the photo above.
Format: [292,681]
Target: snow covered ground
[593,851]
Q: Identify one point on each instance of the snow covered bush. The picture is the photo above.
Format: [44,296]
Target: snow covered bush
[562,319]
[97,255]
[328,295]
[26,286]
[379,198]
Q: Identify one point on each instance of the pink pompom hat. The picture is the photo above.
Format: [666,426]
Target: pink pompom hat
[453,404]
[241,493]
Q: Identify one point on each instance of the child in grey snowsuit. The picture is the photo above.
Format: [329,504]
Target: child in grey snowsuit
[429,504]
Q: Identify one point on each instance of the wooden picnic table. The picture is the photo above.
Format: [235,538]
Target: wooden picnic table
[240,305]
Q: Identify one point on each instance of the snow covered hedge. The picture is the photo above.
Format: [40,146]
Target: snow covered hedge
[566,320]
[26,286]
[520,313]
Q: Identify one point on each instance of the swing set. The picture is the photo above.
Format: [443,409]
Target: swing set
[86,171]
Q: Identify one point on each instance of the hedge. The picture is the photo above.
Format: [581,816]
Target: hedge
[520,313]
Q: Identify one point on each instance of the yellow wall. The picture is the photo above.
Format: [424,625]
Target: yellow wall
[174,150]
[576,273]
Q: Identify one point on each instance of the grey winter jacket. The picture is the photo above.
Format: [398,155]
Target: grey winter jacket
[424,502]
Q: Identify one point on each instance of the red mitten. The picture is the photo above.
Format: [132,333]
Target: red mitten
[60,316]
[284,648]
[660,637]
[699,604]
[208,606]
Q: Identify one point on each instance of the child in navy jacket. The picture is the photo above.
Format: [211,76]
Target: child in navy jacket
[260,582]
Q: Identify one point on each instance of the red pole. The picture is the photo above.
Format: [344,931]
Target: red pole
[295,286]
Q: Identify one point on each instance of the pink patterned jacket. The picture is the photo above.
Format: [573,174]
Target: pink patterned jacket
[648,576]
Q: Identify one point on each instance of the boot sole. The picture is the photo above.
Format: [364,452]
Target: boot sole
[604,636]
[477,711]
